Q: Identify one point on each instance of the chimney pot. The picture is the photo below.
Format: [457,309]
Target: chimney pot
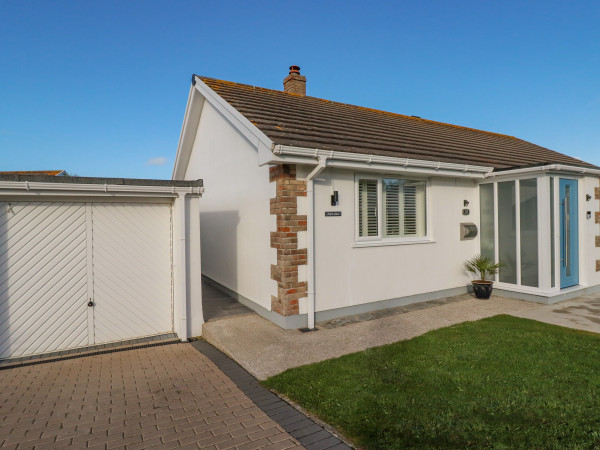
[295,83]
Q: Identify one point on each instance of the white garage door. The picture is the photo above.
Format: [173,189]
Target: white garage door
[55,257]
[132,270]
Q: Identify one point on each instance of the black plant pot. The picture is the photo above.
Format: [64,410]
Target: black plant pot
[482,289]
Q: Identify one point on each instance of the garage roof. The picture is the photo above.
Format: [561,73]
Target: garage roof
[310,122]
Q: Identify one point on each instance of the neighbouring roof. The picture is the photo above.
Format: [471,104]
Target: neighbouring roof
[310,122]
[35,172]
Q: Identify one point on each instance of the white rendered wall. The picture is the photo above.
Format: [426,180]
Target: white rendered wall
[346,275]
[234,211]
[195,317]
[589,229]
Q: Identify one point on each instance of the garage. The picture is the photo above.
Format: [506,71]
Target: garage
[85,263]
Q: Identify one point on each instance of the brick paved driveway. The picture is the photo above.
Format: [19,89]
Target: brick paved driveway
[169,396]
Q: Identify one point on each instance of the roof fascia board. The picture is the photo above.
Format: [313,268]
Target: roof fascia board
[191,121]
[283,153]
[78,189]
[251,133]
[561,168]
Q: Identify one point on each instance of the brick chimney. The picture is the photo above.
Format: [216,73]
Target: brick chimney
[295,83]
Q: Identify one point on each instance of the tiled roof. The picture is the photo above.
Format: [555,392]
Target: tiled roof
[311,122]
[33,172]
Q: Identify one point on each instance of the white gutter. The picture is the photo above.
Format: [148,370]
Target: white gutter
[310,229]
[548,168]
[301,155]
[94,189]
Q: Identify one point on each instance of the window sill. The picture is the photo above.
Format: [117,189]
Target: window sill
[386,242]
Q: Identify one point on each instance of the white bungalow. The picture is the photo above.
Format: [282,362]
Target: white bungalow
[317,209]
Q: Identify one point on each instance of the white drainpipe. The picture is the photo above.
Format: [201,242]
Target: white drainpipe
[310,229]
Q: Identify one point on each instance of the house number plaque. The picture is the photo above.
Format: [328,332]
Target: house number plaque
[333,213]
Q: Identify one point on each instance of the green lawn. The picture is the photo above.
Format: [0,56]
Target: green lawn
[501,382]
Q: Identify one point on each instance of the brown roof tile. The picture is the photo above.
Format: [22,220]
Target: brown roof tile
[311,122]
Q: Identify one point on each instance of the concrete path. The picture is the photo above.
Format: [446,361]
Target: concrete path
[582,313]
[265,350]
[217,305]
[169,396]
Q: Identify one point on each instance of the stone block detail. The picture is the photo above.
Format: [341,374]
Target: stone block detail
[598,265]
[597,193]
[597,241]
[598,217]
[285,240]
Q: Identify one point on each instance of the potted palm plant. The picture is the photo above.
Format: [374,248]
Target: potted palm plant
[483,267]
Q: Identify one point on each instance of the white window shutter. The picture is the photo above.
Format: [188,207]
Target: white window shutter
[391,207]
[410,210]
[367,208]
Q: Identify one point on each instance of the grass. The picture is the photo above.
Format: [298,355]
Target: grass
[501,382]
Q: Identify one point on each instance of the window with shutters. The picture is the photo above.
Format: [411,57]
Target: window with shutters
[391,209]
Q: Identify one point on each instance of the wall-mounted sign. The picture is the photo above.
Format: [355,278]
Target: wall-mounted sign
[333,213]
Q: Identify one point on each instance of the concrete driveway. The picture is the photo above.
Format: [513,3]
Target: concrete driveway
[168,396]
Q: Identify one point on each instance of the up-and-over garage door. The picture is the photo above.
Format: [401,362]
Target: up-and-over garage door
[78,274]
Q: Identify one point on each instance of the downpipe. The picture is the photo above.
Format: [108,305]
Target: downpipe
[310,228]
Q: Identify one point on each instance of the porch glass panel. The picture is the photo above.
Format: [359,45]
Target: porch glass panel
[507,232]
[486,208]
[529,232]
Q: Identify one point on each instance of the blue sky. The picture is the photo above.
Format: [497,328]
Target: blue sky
[99,88]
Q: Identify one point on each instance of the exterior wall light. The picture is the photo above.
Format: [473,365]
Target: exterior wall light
[335,200]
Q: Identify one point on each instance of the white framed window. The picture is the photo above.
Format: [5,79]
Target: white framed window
[390,209]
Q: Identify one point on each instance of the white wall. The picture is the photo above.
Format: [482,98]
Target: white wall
[234,211]
[590,229]
[347,276]
[195,317]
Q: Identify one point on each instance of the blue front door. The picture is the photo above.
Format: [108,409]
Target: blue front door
[569,236]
